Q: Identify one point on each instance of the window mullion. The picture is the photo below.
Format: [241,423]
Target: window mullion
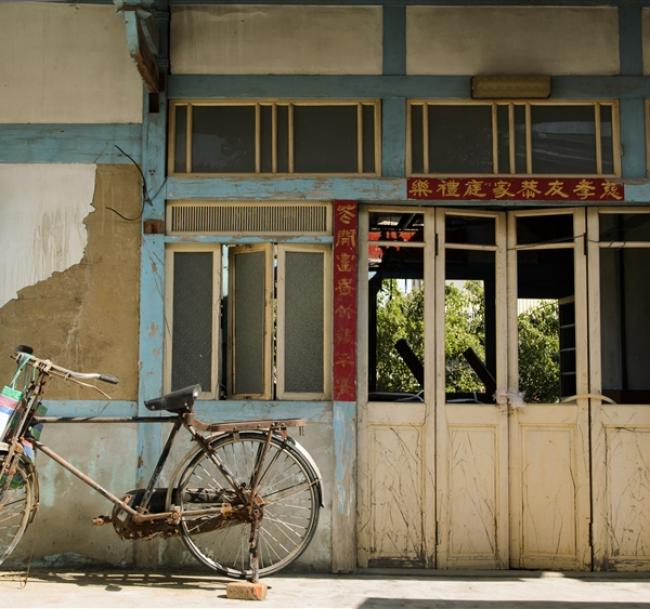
[529,140]
[188,140]
[599,150]
[274,138]
[359,138]
[291,137]
[425,137]
[511,138]
[258,138]
[495,141]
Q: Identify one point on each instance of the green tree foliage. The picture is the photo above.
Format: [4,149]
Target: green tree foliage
[400,314]
[539,353]
[464,328]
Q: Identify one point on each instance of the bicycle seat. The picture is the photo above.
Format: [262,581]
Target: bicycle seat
[180,400]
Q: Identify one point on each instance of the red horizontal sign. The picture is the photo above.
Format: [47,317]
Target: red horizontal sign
[516,189]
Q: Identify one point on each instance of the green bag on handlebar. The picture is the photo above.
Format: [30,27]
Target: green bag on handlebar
[10,407]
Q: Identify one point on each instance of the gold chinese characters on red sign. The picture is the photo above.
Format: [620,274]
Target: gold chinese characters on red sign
[516,189]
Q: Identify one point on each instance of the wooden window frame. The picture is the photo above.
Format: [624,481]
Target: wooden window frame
[281,251]
[170,250]
[267,391]
[290,104]
[511,104]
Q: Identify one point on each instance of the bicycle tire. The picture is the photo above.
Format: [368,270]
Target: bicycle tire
[18,503]
[286,528]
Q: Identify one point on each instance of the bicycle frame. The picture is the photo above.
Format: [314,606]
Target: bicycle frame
[186,419]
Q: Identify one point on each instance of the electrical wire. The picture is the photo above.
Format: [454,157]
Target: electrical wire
[145,192]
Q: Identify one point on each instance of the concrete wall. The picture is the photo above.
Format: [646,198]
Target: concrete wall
[276,40]
[511,40]
[83,310]
[66,64]
[62,533]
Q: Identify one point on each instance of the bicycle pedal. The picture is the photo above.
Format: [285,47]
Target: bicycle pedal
[101,520]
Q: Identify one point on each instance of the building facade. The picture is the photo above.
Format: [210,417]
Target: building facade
[421,226]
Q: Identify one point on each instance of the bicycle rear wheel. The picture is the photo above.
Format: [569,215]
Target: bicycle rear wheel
[287,492]
[17,504]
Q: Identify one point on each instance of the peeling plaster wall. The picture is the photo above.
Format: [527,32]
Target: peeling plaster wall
[43,207]
[267,39]
[66,63]
[511,40]
[86,316]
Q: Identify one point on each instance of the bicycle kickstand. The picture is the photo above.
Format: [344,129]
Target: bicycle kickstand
[254,559]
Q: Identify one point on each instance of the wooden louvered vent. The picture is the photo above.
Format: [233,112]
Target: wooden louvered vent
[248,218]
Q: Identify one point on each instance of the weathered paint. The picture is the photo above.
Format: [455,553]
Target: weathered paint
[235,240]
[43,211]
[65,63]
[370,87]
[511,40]
[393,137]
[62,534]
[286,188]
[90,408]
[60,143]
[253,40]
[633,138]
[85,317]
[630,39]
[394,40]
[344,427]
[378,190]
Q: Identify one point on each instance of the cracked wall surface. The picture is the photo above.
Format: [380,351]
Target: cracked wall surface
[87,316]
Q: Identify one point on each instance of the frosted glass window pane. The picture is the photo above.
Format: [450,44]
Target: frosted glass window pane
[192,319]
[249,323]
[304,340]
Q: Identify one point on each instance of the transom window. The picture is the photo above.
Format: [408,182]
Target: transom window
[283,137]
[524,138]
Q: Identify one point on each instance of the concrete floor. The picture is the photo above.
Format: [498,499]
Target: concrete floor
[487,590]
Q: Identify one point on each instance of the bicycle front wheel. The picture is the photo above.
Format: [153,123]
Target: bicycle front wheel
[17,503]
[287,492]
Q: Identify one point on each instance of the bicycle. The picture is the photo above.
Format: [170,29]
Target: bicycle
[245,499]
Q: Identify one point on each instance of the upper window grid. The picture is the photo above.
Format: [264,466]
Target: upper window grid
[275,137]
[504,140]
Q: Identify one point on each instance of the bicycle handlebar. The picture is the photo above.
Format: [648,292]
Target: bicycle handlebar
[46,366]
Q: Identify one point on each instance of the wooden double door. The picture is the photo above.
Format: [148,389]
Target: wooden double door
[478,454]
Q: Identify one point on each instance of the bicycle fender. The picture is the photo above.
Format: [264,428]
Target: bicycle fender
[310,460]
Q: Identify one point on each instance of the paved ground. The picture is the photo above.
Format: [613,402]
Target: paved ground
[502,590]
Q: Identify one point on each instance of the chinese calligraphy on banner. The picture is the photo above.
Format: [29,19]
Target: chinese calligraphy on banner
[523,189]
[345,301]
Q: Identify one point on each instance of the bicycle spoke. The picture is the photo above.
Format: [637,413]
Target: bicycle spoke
[289,509]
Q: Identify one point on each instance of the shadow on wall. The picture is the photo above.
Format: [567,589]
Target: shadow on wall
[417,603]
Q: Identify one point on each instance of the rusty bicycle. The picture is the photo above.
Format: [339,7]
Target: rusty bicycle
[245,499]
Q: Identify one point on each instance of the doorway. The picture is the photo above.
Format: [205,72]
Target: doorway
[474,437]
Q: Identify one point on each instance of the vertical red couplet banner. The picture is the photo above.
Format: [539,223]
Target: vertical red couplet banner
[345,257]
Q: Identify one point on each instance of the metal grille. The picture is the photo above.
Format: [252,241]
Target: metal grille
[234,217]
